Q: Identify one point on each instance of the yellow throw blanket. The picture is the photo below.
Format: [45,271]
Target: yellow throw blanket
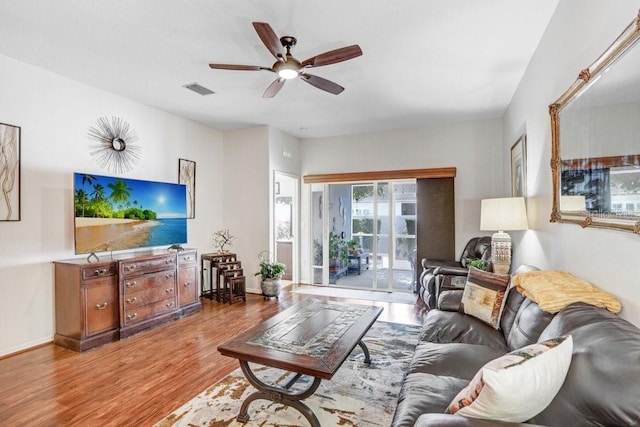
[553,290]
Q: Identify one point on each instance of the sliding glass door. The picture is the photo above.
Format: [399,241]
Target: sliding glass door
[365,234]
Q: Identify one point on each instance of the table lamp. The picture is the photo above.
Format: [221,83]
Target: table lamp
[503,214]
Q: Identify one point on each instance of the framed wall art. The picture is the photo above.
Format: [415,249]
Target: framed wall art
[9,172]
[519,167]
[187,176]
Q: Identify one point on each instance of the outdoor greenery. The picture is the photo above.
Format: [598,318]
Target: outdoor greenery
[337,248]
[364,225]
[97,204]
[271,270]
[361,192]
[317,252]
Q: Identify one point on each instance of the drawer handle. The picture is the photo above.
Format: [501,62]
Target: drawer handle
[186,284]
[130,267]
[132,300]
[168,276]
[101,306]
[168,290]
[100,272]
[168,261]
[132,316]
[187,258]
[170,305]
[131,284]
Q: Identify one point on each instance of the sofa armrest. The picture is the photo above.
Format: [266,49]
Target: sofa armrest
[446,420]
[451,271]
[447,279]
[450,300]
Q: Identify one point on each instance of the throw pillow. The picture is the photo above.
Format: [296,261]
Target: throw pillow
[517,386]
[483,295]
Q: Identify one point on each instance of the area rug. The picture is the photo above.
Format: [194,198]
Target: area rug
[357,395]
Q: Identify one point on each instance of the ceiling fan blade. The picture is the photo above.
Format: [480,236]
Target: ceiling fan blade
[323,84]
[237,67]
[269,38]
[273,88]
[333,56]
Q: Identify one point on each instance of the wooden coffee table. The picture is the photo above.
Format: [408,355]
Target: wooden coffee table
[311,338]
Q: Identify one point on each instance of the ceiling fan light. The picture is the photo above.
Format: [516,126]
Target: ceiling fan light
[288,73]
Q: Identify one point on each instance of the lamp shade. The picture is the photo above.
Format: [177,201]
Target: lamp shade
[503,214]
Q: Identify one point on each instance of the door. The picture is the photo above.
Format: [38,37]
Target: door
[285,220]
[364,235]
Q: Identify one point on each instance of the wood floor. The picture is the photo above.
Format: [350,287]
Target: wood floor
[139,380]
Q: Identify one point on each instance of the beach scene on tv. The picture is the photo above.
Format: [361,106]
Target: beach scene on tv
[120,213]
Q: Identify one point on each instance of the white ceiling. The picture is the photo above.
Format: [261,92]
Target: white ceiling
[424,61]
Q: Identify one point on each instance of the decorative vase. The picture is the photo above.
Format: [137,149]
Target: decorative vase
[270,288]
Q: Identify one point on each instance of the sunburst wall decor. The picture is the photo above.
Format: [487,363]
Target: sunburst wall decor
[114,144]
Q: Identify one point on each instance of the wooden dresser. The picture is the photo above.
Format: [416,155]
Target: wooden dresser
[104,301]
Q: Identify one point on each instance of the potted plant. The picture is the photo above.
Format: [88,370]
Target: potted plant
[338,251]
[271,273]
[353,247]
[479,263]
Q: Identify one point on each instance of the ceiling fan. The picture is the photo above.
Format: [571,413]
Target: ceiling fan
[287,67]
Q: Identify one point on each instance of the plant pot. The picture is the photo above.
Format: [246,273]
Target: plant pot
[270,288]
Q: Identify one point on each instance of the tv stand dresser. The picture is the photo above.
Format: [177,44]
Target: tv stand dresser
[101,302]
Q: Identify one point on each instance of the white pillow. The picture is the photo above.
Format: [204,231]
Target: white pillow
[517,386]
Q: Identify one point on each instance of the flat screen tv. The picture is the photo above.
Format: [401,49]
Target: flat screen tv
[113,214]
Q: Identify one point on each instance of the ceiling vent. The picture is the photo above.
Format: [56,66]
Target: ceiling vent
[199,89]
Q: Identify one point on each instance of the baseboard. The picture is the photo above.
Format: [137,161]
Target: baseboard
[12,351]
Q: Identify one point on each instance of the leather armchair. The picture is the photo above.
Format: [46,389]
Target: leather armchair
[476,248]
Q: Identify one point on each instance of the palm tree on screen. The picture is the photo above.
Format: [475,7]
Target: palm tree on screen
[120,191]
[86,179]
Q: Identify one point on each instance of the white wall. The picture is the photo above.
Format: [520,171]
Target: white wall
[55,113]
[246,185]
[284,152]
[472,147]
[578,33]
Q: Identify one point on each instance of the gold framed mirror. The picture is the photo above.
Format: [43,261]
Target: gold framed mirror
[595,141]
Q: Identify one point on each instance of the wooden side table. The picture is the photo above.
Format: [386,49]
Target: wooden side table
[212,289]
[232,287]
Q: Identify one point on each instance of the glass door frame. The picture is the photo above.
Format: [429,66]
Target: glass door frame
[324,189]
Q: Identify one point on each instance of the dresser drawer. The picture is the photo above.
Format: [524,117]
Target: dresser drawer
[187,257]
[148,295]
[138,314]
[99,270]
[139,283]
[145,265]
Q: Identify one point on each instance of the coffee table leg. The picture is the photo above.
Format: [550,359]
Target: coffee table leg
[365,350]
[278,395]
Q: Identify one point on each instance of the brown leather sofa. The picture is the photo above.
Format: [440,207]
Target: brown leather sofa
[602,387]
[476,248]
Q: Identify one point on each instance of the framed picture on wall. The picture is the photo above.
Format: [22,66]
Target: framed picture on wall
[9,172]
[519,167]
[187,176]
